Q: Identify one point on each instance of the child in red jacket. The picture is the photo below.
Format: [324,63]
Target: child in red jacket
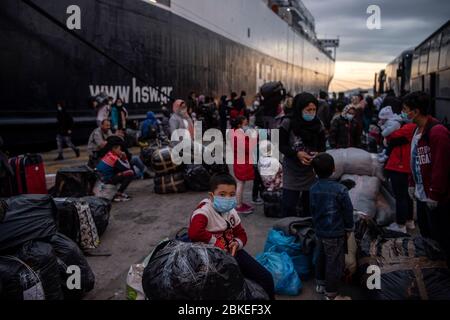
[216,222]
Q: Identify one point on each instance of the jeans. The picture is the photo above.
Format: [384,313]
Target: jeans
[124,182]
[290,201]
[137,162]
[253,270]
[404,204]
[434,224]
[330,264]
[67,140]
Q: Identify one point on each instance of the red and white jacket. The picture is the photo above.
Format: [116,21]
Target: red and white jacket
[210,227]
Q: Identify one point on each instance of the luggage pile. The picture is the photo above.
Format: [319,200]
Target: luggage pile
[36,261]
[83,220]
[412,268]
[369,195]
[187,271]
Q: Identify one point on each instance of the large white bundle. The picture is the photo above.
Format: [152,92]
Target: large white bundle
[364,194]
[385,208]
[357,162]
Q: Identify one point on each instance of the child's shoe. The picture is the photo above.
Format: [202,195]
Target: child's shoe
[243,210]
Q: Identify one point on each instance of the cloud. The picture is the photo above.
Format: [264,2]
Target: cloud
[405,24]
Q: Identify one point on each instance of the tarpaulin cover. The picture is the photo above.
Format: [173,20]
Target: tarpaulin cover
[411,268]
[31,273]
[69,254]
[29,217]
[188,271]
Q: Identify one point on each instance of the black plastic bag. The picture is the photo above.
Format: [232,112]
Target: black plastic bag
[100,209]
[28,217]
[69,254]
[411,268]
[197,178]
[188,271]
[67,218]
[253,292]
[75,182]
[170,183]
[272,204]
[31,273]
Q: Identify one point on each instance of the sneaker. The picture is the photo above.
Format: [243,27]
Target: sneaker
[257,202]
[338,298]
[121,198]
[77,152]
[249,207]
[125,196]
[59,158]
[320,289]
[243,210]
[397,228]
[411,225]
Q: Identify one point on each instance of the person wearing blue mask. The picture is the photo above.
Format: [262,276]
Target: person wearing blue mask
[345,131]
[216,222]
[302,137]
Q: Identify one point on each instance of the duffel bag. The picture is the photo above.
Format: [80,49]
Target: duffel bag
[170,183]
[162,162]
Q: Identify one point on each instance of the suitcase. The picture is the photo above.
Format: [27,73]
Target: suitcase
[29,174]
[75,182]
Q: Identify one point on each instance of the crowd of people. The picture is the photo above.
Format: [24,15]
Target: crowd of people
[411,144]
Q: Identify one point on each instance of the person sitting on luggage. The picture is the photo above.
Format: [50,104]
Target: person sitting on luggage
[216,222]
[332,213]
[97,141]
[344,131]
[115,169]
[150,129]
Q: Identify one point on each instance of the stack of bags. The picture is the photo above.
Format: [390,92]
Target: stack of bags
[37,262]
[169,176]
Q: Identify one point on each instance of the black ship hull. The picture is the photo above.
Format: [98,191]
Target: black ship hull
[127,48]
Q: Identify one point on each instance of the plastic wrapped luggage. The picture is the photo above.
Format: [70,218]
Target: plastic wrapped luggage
[355,161]
[75,182]
[162,161]
[364,194]
[170,183]
[30,273]
[411,268]
[28,217]
[100,210]
[190,271]
[67,218]
[197,177]
[29,174]
[69,254]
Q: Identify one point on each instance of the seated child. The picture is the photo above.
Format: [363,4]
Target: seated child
[216,222]
[332,213]
[115,169]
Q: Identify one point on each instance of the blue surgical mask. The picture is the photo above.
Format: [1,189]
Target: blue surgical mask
[308,117]
[405,117]
[224,204]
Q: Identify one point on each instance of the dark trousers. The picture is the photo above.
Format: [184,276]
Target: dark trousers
[330,264]
[290,201]
[124,182]
[257,184]
[253,270]
[435,224]
[404,204]
[61,141]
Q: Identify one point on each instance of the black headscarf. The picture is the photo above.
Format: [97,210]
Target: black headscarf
[311,132]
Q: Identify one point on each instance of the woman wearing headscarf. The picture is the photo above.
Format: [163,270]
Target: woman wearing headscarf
[302,137]
[180,118]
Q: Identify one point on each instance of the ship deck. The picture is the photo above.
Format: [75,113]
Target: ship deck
[136,227]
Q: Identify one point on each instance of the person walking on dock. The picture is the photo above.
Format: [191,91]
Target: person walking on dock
[64,132]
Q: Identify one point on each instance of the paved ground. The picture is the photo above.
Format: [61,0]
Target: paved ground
[138,226]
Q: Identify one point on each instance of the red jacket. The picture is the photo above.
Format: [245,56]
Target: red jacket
[243,170]
[434,153]
[400,158]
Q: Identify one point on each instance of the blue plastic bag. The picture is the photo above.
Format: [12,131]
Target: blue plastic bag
[303,265]
[277,241]
[286,279]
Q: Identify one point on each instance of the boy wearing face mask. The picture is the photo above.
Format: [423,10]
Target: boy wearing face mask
[344,131]
[216,222]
